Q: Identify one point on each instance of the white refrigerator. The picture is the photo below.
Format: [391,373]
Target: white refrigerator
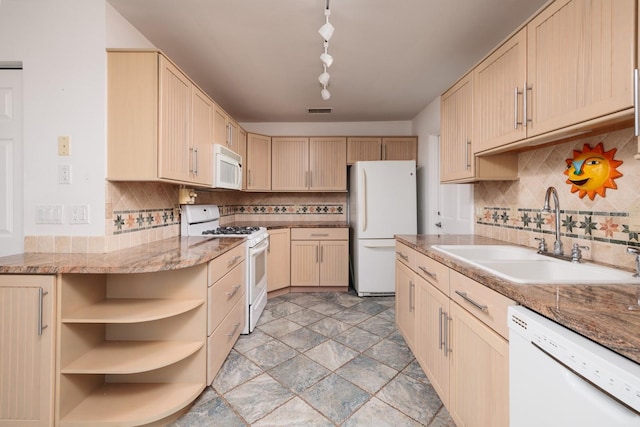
[382,203]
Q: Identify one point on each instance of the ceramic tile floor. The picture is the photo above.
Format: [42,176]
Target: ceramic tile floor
[321,359]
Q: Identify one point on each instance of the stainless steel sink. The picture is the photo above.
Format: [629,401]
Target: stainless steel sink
[524,265]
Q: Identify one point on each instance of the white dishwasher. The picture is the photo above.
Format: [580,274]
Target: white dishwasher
[558,378]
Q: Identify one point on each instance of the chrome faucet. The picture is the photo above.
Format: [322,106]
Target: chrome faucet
[551,191]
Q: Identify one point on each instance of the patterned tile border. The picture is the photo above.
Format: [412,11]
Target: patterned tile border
[144,219]
[608,227]
[297,209]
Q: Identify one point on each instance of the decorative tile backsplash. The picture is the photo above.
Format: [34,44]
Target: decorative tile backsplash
[143,219]
[283,209]
[512,210]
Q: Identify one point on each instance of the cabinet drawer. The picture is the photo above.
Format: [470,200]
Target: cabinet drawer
[319,234]
[406,255]
[224,294]
[434,272]
[221,341]
[484,303]
[223,264]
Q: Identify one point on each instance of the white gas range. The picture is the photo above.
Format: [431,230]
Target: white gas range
[204,220]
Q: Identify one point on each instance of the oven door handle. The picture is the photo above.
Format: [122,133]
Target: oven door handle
[261,247]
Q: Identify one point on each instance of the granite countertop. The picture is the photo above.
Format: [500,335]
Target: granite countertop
[606,314]
[168,254]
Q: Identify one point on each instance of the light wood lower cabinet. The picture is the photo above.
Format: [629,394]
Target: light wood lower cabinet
[320,257]
[27,362]
[226,306]
[405,303]
[279,259]
[479,372]
[459,337]
[131,347]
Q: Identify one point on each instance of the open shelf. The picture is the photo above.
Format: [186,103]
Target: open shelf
[131,310]
[125,404]
[129,357]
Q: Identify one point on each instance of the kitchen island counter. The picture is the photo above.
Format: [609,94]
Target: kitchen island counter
[606,314]
[168,254]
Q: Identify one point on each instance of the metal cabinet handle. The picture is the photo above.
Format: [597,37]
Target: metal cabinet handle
[636,102]
[41,295]
[321,254]
[434,276]
[236,288]
[195,169]
[466,154]
[319,234]
[233,260]
[403,256]
[235,328]
[412,287]
[525,114]
[317,250]
[516,92]
[440,341]
[464,296]
[447,319]
[249,176]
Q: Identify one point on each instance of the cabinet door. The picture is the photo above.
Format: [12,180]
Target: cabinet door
[242,151]
[432,352]
[479,373]
[279,260]
[219,126]
[289,164]
[27,362]
[328,164]
[175,123]
[456,152]
[397,148]
[305,258]
[258,162]
[498,95]
[334,263]
[580,62]
[201,157]
[405,303]
[363,149]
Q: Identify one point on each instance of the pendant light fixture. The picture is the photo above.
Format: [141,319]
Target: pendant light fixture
[326,31]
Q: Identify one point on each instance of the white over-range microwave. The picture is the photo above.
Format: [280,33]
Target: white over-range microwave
[227,168]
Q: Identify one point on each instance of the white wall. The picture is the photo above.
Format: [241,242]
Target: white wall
[426,125]
[61,44]
[398,128]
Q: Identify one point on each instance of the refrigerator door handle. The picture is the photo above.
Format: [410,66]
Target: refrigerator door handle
[364,200]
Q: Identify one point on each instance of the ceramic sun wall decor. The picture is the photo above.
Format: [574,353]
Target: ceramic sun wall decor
[592,170]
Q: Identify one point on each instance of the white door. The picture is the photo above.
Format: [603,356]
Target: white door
[11,198]
[446,208]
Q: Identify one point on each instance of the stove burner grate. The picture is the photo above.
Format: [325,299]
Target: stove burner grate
[232,230]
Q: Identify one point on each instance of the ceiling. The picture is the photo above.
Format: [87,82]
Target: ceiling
[259,59]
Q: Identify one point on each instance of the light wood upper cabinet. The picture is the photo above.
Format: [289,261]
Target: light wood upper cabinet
[580,62]
[175,123]
[27,365]
[242,151]
[200,151]
[363,149]
[279,259]
[159,123]
[308,164]
[257,163]
[498,95]
[456,152]
[289,163]
[381,148]
[400,148]
[327,164]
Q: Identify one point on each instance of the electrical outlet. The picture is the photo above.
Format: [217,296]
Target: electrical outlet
[79,214]
[63,145]
[64,174]
[49,214]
